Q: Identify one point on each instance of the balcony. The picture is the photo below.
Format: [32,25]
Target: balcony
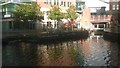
[100,18]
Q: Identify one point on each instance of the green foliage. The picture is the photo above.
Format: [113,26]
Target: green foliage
[55,13]
[27,12]
[71,13]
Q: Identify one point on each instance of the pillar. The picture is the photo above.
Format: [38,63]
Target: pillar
[97,26]
[104,25]
[45,15]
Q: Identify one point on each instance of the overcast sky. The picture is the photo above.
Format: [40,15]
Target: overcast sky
[96,3]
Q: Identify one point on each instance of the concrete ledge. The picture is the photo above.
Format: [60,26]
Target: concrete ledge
[48,38]
[111,36]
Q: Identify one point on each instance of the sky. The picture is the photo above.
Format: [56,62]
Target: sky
[96,3]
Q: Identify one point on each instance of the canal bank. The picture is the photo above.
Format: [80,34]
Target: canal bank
[111,36]
[48,37]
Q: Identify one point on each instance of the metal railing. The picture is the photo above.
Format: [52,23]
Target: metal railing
[100,18]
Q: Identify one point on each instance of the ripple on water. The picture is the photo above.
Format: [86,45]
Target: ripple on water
[88,54]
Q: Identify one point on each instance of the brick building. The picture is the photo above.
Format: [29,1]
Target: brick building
[95,18]
[114,7]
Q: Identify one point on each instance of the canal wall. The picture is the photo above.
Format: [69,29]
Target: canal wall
[48,37]
[111,36]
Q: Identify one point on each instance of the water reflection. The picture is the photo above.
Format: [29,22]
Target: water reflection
[91,52]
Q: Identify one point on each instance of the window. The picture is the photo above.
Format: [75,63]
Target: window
[95,25]
[68,4]
[50,3]
[64,3]
[47,13]
[113,7]
[61,3]
[46,2]
[101,26]
[117,7]
[55,2]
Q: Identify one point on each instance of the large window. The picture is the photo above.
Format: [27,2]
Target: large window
[80,5]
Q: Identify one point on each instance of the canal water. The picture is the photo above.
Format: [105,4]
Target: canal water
[94,51]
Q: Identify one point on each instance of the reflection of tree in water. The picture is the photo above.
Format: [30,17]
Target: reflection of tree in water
[75,54]
[42,56]
[29,54]
[19,54]
[9,54]
[54,52]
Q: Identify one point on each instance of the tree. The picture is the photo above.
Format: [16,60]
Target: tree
[24,13]
[71,12]
[55,14]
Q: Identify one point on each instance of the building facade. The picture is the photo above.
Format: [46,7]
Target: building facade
[95,18]
[8,7]
[100,19]
[63,4]
[7,18]
[80,5]
[114,7]
[17,1]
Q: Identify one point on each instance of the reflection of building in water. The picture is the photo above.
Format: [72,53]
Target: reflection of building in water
[43,57]
[53,55]
[114,54]
[85,19]
[97,37]
[65,59]
[65,54]
[85,48]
